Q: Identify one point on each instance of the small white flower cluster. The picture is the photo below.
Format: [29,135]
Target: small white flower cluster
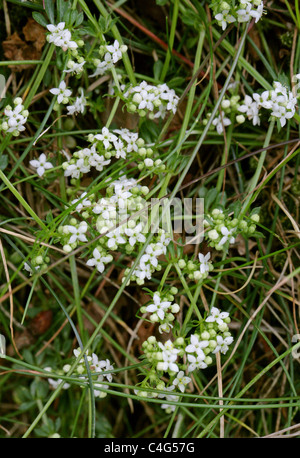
[222,229]
[229,107]
[72,234]
[61,37]
[38,263]
[149,262]
[41,164]
[116,217]
[162,309]
[119,143]
[280,101]
[101,370]
[109,56]
[78,104]
[14,118]
[62,92]
[75,68]
[184,354]
[197,271]
[214,336]
[241,11]
[179,382]
[155,101]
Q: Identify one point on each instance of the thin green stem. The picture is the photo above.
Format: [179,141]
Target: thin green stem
[254,180]
[22,201]
[171,41]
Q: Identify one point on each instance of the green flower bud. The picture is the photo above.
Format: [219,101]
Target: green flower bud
[181,263]
[205,335]
[255,218]
[208,360]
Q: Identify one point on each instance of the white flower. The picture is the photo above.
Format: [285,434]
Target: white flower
[106,366]
[115,238]
[223,344]
[224,18]
[41,164]
[78,233]
[75,67]
[221,121]
[168,362]
[15,118]
[56,28]
[106,137]
[196,362]
[120,151]
[74,170]
[204,262]
[60,36]
[115,51]
[158,306]
[181,381]
[99,260]
[30,269]
[165,327]
[135,234]
[150,256]
[61,91]
[216,316]
[251,107]
[196,345]
[227,235]
[78,352]
[56,382]
[83,203]
[258,13]
[101,162]
[78,106]
[244,14]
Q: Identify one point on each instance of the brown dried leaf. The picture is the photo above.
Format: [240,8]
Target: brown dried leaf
[15,48]
[34,32]
[41,322]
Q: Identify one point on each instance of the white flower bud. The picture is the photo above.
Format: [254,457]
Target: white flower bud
[205,335]
[137,98]
[18,101]
[148,162]
[240,119]
[67,248]
[213,235]
[39,260]
[225,104]
[255,218]
[175,308]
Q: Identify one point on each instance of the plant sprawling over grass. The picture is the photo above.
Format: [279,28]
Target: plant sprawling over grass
[149,224]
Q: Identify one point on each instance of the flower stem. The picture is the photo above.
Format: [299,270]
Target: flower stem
[255,178]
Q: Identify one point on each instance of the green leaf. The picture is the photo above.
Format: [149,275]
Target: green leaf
[149,131]
[3,161]
[79,19]
[49,8]
[157,68]
[62,7]
[40,19]
[210,198]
